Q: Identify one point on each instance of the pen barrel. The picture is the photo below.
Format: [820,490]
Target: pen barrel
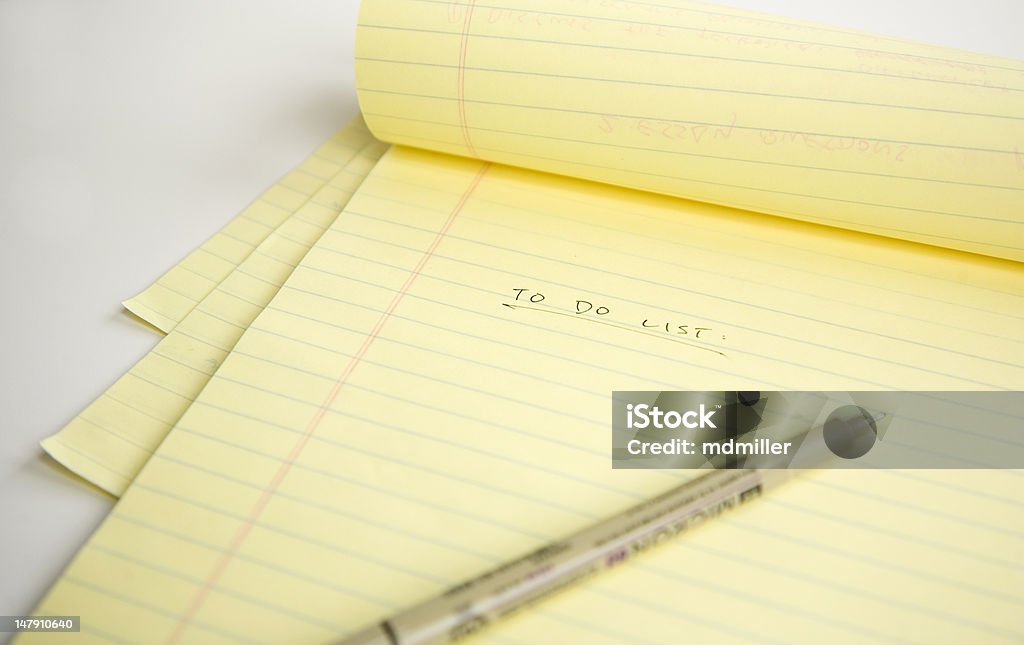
[469,607]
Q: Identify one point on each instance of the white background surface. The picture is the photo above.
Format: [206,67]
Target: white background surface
[131,131]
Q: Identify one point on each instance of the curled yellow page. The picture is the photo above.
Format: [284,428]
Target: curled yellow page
[762,113]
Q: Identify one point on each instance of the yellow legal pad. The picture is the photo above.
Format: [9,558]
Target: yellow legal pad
[386,426]
[111,439]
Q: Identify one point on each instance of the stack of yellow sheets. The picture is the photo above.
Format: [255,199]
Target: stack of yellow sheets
[393,370]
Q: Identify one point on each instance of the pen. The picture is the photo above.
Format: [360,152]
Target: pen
[474,604]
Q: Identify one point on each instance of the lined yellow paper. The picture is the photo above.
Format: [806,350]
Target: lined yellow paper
[790,118]
[167,301]
[110,441]
[387,426]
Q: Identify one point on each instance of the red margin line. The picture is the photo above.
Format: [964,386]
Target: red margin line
[467,20]
[275,483]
